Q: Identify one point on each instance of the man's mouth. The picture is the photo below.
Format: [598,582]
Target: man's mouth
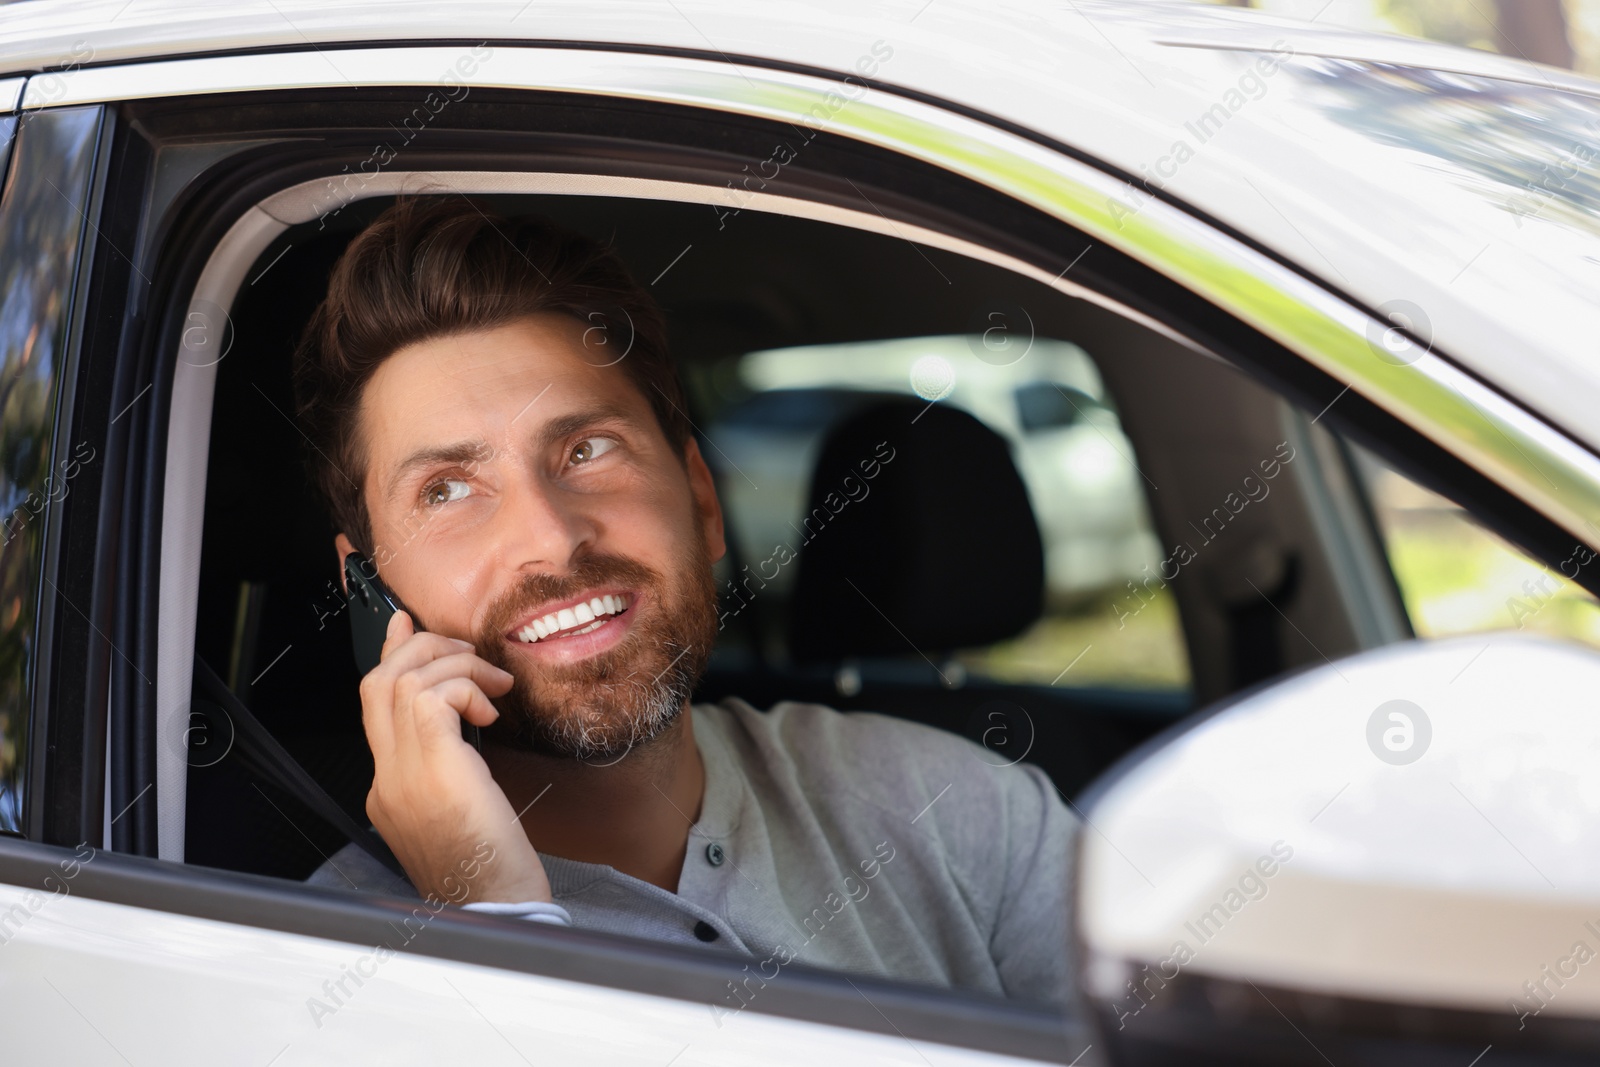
[578,617]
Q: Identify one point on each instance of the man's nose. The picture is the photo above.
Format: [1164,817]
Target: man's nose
[540,525]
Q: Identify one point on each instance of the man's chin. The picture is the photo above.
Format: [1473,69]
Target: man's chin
[585,734]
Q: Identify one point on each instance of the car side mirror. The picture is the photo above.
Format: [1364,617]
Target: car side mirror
[1391,859]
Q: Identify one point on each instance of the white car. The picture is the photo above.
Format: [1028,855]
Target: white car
[1279,243]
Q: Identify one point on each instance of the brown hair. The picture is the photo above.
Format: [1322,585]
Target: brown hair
[431,267]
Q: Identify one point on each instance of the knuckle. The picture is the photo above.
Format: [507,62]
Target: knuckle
[427,700]
[408,686]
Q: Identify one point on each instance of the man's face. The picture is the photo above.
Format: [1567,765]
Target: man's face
[524,497]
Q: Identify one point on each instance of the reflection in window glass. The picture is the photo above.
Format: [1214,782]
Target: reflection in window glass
[1456,577]
[41,230]
[1065,437]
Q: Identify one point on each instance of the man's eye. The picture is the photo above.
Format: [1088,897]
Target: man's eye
[443,492]
[589,449]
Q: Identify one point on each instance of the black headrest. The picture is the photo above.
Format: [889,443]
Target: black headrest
[918,537]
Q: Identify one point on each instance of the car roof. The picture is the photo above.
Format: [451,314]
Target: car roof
[1445,187]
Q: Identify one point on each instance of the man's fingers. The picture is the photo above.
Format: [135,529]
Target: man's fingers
[440,709]
[403,634]
[416,649]
[491,679]
[404,650]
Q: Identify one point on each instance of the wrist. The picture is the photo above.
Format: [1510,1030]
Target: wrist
[532,887]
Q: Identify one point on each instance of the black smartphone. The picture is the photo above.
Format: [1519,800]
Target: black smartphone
[371,606]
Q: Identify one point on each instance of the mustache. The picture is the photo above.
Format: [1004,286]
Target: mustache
[535,590]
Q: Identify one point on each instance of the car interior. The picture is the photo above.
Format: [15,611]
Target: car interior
[937,595]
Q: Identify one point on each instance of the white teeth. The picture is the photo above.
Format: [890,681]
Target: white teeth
[588,616]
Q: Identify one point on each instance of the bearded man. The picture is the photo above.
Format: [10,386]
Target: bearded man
[496,424]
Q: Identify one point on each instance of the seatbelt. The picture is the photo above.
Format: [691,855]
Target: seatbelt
[261,754]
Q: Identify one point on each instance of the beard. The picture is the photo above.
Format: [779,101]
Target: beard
[603,707]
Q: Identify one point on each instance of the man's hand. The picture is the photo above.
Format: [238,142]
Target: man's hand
[432,797]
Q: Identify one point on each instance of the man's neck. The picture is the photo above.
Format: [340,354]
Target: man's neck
[633,814]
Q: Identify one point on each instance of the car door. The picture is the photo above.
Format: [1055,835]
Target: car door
[115,951]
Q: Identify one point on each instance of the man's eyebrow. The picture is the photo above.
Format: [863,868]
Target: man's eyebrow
[567,425]
[459,453]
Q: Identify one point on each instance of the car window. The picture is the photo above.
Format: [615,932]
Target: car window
[1456,577]
[774,408]
[41,231]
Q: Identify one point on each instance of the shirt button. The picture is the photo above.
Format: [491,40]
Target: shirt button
[715,855]
[705,931]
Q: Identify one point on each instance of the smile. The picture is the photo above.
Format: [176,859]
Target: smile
[580,618]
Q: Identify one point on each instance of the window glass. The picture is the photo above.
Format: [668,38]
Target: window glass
[1456,577]
[41,230]
[775,407]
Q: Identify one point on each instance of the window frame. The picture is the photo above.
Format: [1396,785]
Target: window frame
[63,758]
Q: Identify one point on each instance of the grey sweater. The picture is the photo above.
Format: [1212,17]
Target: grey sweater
[843,840]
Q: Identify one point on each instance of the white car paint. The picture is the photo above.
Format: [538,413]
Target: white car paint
[89,982]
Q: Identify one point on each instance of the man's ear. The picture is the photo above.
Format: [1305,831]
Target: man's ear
[704,488]
[342,545]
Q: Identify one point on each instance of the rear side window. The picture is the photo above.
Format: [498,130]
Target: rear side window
[774,409]
[1458,578]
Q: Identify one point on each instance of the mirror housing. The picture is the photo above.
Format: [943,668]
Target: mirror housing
[1390,859]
